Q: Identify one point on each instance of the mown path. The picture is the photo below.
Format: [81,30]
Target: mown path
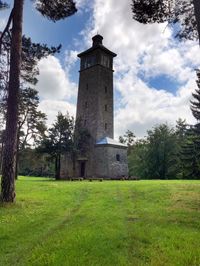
[101,223]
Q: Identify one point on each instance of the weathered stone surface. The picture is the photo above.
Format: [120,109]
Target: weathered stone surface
[95,108]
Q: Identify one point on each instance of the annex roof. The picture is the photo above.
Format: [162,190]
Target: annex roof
[109,141]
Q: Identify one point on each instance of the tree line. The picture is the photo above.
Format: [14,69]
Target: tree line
[167,152]
[40,149]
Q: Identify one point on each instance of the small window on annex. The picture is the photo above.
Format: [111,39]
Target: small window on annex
[118,157]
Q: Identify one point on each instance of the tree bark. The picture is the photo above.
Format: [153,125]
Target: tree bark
[74,163]
[2,147]
[57,166]
[8,166]
[17,156]
[197,14]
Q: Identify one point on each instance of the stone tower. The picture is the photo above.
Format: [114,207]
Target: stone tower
[106,157]
[95,94]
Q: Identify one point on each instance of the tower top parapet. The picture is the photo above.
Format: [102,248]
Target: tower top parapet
[97,44]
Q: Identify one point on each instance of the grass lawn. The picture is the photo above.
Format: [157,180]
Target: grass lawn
[101,223]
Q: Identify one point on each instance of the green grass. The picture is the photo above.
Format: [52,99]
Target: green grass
[101,223]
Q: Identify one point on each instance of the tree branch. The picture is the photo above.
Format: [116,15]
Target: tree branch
[6,28]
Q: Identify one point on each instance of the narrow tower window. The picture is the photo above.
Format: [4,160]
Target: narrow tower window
[106,89]
[87,86]
[106,108]
[106,126]
[85,122]
[86,104]
[118,157]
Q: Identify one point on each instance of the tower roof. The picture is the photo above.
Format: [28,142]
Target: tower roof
[97,44]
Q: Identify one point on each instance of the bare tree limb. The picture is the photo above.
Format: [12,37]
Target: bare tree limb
[6,28]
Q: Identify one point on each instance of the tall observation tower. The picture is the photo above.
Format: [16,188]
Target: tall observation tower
[95,94]
[106,157]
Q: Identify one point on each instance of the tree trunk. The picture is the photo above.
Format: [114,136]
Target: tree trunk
[197,14]
[8,165]
[2,147]
[57,167]
[17,157]
[74,164]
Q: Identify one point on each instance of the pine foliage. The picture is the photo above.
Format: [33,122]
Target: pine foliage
[195,103]
[179,12]
[56,10]
[3,5]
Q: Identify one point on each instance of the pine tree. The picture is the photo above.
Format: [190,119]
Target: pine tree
[195,103]
[58,140]
[27,113]
[161,153]
[190,154]
[54,10]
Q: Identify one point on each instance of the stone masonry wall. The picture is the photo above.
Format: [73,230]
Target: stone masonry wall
[107,165]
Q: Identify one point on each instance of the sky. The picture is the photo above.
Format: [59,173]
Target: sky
[154,73]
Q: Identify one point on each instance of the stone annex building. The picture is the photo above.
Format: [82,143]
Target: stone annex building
[106,158]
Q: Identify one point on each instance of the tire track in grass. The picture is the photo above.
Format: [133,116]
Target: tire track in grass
[97,234]
[21,259]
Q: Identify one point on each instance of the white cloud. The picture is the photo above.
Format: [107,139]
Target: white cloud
[53,81]
[56,90]
[149,49]
[83,5]
[70,58]
[2,23]
[52,107]
[144,107]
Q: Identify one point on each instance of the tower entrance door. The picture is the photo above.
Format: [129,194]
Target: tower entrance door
[82,169]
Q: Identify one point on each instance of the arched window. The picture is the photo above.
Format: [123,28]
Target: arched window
[118,157]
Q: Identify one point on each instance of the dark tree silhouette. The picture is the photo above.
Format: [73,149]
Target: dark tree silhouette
[29,100]
[58,140]
[9,152]
[54,10]
[3,5]
[195,103]
[185,13]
